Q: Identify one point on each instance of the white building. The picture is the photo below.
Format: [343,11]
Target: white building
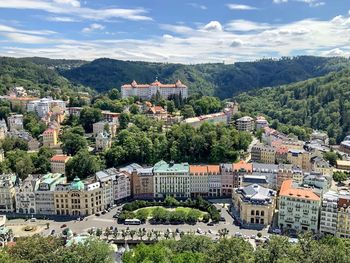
[171,179]
[7,192]
[298,208]
[329,213]
[3,129]
[245,123]
[15,122]
[25,195]
[101,126]
[122,186]
[44,194]
[214,118]
[199,180]
[107,180]
[102,141]
[45,105]
[146,91]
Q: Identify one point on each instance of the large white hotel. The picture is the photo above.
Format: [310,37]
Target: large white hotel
[146,91]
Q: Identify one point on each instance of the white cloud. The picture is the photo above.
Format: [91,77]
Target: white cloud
[311,3]
[336,52]
[213,26]
[61,19]
[198,6]
[245,25]
[280,1]
[236,43]
[93,27]
[9,29]
[73,8]
[25,38]
[240,7]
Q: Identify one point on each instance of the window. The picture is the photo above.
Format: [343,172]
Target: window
[252,212]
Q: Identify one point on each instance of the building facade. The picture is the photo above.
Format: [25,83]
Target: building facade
[245,123]
[50,138]
[8,193]
[58,163]
[263,153]
[329,213]
[199,180]
[15,122]
[25,195]
[147,91]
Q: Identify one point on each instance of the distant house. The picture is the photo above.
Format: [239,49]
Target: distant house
[50,138]
[58,163]
[245,123]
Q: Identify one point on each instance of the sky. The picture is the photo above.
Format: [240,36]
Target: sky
[178,31]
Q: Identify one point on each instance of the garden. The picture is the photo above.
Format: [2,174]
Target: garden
[170,211]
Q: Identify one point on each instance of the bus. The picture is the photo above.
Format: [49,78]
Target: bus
[132,222]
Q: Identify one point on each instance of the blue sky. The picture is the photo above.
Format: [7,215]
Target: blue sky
[184,31]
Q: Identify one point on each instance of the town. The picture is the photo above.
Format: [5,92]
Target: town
[279,184]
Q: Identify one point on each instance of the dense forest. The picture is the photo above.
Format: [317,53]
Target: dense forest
[219,80]
[321,103]
[38,76]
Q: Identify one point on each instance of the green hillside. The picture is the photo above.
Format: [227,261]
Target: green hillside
[220,80]
[320,103]
[39,76]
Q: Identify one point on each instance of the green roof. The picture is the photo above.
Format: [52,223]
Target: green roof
[77,184]
[164,167]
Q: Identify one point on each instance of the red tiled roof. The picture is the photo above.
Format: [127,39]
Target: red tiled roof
[288,190]
[242,165]
[60,158]
[198,169]
[157,83]
[49,130]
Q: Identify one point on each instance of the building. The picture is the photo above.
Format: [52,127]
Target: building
[215,118]
[263,153]
[318,180]
[50,138]
[147,91]
[58,163]
[320,165]
[298,208]
[105,126]
[227,179]
[199,180]
[44,194]
[3,129]
[156,112]
[343,223]
[250,179]
[300,158]
[44,106]
[33,144]
[322,136]
[111,116]
[343,165]
[254,205]
[15,122]
[245,123]
[239,170]
[270,171]
[141,181]
[25,195]
[261,123]
[78,198]
[345,146]
[281,154]
[122,186]
[106,179]
[171,179]
[102,141]
[329,213]
[214,181]
[8,193]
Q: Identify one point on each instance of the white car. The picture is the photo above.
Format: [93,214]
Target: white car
[199,231]
[237,234]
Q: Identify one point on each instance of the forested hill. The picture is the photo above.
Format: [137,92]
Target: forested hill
[320,103]
[220,80]
[38,75]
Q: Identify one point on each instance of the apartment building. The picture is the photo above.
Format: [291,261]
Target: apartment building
[103,141]
[44,106]
[298,208]
[105,126]
[214,181]
[343,223]
[171,179]
[25,195]
[320,165]
[270,171]
[106,179]
[59,163]
[3,129]
[239,169]
[8,183]
[78,198]
[122,185]
[261,122]
[245,123]
[147,91]
[254,205]
[227,180]
[263,153]
[300,158]
[50,138]
[199,180]
[329,213]
[44,194]
[15,122]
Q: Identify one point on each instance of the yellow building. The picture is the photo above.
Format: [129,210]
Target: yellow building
[79,198]
[50,138]
[263,154]
[343,224]
[343,165]
[300,158]
[254,205]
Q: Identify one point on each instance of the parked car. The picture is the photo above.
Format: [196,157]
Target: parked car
[199,231]
[53,231]
[33,219]
[97,214]
[238,234]
[63,226]
[210,231]
[210,224]
[103,212]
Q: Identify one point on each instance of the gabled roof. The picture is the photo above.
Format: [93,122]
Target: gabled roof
[302,193]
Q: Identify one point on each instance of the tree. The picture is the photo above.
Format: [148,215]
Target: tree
[73,141]
[170,106]
[187,111]
[340,177]
[83,164]
[331,157]
[107,232]
[98,232]
[33,124]
[134,109]
[124,119]
[89,116]
[114,94]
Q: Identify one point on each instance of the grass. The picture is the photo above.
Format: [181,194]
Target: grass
[149,210]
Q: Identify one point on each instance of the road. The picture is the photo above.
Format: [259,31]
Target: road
[107,220]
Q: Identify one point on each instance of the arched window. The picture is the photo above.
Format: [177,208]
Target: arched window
[262,213]
[252,212]
[257,212]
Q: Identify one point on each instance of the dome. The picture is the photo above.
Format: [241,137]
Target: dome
[77,184]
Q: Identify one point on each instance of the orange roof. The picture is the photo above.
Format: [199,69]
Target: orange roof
[288,190]
[213,168]
[60,158]
[49,130]
[157,83]
[282,150]
[242,165]
[198,169]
